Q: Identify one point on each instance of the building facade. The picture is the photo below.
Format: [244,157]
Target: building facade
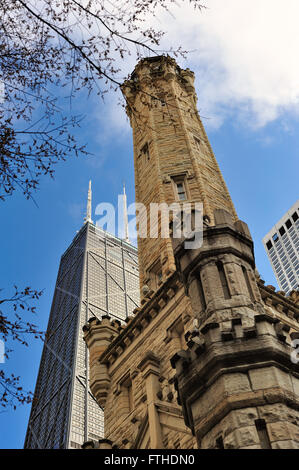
[282,246]
[98,276]
[205,362]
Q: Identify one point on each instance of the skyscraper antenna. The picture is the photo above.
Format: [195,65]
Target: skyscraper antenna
[88,208]
[126,217]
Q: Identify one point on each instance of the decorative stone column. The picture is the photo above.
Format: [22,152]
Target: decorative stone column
[98,335]
[150,368]
[240,391]
[219,276]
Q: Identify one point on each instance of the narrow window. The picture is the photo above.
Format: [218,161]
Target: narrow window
[288,224]
[127,391]
[130,395]
[155,275]
[295,216]
[269,245]
[159,276]
[177,445]
[145,151]
[176,331]
[181,191]
[223,280]
[219,443]
[197,143]
[261,428]
[201,292]
[275,237]
[250,292]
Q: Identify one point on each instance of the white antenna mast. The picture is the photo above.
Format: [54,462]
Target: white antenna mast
[126,217]
[88,208]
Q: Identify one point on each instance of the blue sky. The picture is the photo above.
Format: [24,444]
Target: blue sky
[248,93]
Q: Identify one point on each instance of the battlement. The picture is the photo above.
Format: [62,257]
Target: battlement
[101,444]
[119,337]
[279,302]
[239,366]
[149,71]
[239,332]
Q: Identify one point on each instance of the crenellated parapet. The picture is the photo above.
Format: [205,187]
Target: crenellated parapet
[278,304]
[108,340]
[146,85]
[101,444]
[294,297]
[152,305]
[234,383]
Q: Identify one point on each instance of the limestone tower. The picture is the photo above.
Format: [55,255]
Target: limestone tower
[173,159]
[207,361]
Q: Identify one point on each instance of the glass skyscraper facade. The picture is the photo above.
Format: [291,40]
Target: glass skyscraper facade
[282,247]
[98,275]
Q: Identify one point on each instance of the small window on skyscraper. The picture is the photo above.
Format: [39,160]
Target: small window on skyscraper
[282,231]
[275,237]
[269,245]
[288,223]
[295,216]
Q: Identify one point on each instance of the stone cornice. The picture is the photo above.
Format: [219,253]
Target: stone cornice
[150,359]
[152,69]
[212,231]
[203,364]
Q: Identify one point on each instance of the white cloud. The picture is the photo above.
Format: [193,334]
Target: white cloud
[246,57]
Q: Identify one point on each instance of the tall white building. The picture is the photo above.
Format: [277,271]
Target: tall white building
[282,247]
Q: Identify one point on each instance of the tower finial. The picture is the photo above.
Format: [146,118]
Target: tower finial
[88,208]
[126,217]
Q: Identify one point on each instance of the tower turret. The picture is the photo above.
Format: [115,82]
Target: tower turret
[174,162]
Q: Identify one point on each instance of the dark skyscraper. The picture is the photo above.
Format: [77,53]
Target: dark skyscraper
[98,275]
